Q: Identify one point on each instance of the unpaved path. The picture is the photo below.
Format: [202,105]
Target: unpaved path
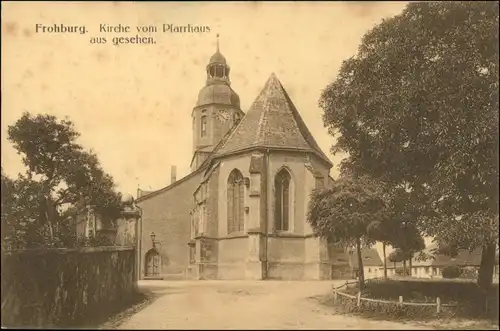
[245,305]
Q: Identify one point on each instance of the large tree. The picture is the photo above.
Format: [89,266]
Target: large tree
[343,212]
[418,106]
[59,173]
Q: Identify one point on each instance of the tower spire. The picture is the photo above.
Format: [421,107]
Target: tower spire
[217,43]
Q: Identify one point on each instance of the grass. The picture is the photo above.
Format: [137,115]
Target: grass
[470,313]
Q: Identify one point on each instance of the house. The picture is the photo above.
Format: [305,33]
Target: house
[433,266]
[373,265]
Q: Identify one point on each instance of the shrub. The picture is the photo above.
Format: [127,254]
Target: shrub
[451,271]
[400,271]
[469,273]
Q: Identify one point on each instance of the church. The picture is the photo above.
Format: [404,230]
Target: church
[241,212]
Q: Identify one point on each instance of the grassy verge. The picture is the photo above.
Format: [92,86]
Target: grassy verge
[470,313]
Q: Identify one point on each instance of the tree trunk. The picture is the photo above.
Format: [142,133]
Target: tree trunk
[485,277]
[385,261]
[410,262]
[404,268]
[361,272]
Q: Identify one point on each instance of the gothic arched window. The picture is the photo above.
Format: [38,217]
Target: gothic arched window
[203,125]
[282,200]
[235,202]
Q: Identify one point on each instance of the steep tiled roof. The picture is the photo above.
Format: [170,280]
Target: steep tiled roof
[272,122]
[464,258]
[370,256]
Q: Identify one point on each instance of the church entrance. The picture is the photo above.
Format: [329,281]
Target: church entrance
[153,262]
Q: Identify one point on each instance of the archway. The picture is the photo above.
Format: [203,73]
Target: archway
[153,263]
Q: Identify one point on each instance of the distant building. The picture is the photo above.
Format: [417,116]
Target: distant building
[433,267]
[373,266]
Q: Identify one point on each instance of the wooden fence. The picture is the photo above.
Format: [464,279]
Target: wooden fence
[359,299]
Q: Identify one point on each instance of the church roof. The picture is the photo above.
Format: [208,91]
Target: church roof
[218,93]
[272,122]
[217,58]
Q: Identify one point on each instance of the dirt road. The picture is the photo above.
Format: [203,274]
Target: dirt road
[245,305]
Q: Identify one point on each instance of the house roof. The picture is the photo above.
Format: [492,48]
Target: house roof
[168,187]
[464,258]
[271,122]
[371,258]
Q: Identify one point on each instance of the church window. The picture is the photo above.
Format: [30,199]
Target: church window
[235,202]
[203,126]
[282,200]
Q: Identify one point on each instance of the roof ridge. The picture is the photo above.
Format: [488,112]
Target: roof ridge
[263,113]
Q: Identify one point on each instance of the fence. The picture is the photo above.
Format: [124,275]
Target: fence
[359,299]
[61,287]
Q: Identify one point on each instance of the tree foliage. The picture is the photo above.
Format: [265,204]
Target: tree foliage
[396,256]
[451,271]
[343,212]
[418,106]
[59,173]
[399,226]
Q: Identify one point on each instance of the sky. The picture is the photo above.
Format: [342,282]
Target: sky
[132,103]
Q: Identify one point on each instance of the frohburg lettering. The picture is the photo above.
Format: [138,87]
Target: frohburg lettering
[60,28]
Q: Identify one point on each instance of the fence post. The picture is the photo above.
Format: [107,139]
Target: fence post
[346,284]
[438,305]
[401,301]
[359,299]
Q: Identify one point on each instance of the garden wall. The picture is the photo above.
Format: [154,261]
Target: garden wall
[64,287]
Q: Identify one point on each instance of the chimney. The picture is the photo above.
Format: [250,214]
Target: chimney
[173,174]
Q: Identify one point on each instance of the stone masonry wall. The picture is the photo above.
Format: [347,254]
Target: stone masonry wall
[64,287]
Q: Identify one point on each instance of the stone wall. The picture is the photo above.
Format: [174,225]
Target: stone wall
[64,287]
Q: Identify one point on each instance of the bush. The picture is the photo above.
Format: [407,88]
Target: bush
[400,271]
[451,271]
[469,273]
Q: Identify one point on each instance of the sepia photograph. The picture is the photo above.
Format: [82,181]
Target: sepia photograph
[250,165]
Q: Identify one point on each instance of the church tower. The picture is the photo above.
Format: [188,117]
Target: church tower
[217,109]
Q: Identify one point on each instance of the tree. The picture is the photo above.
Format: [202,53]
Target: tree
[341,213]
[418,106]
[396,256]
[378,231]
[451,271]
[398,228]
[410,242]
[59,173]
